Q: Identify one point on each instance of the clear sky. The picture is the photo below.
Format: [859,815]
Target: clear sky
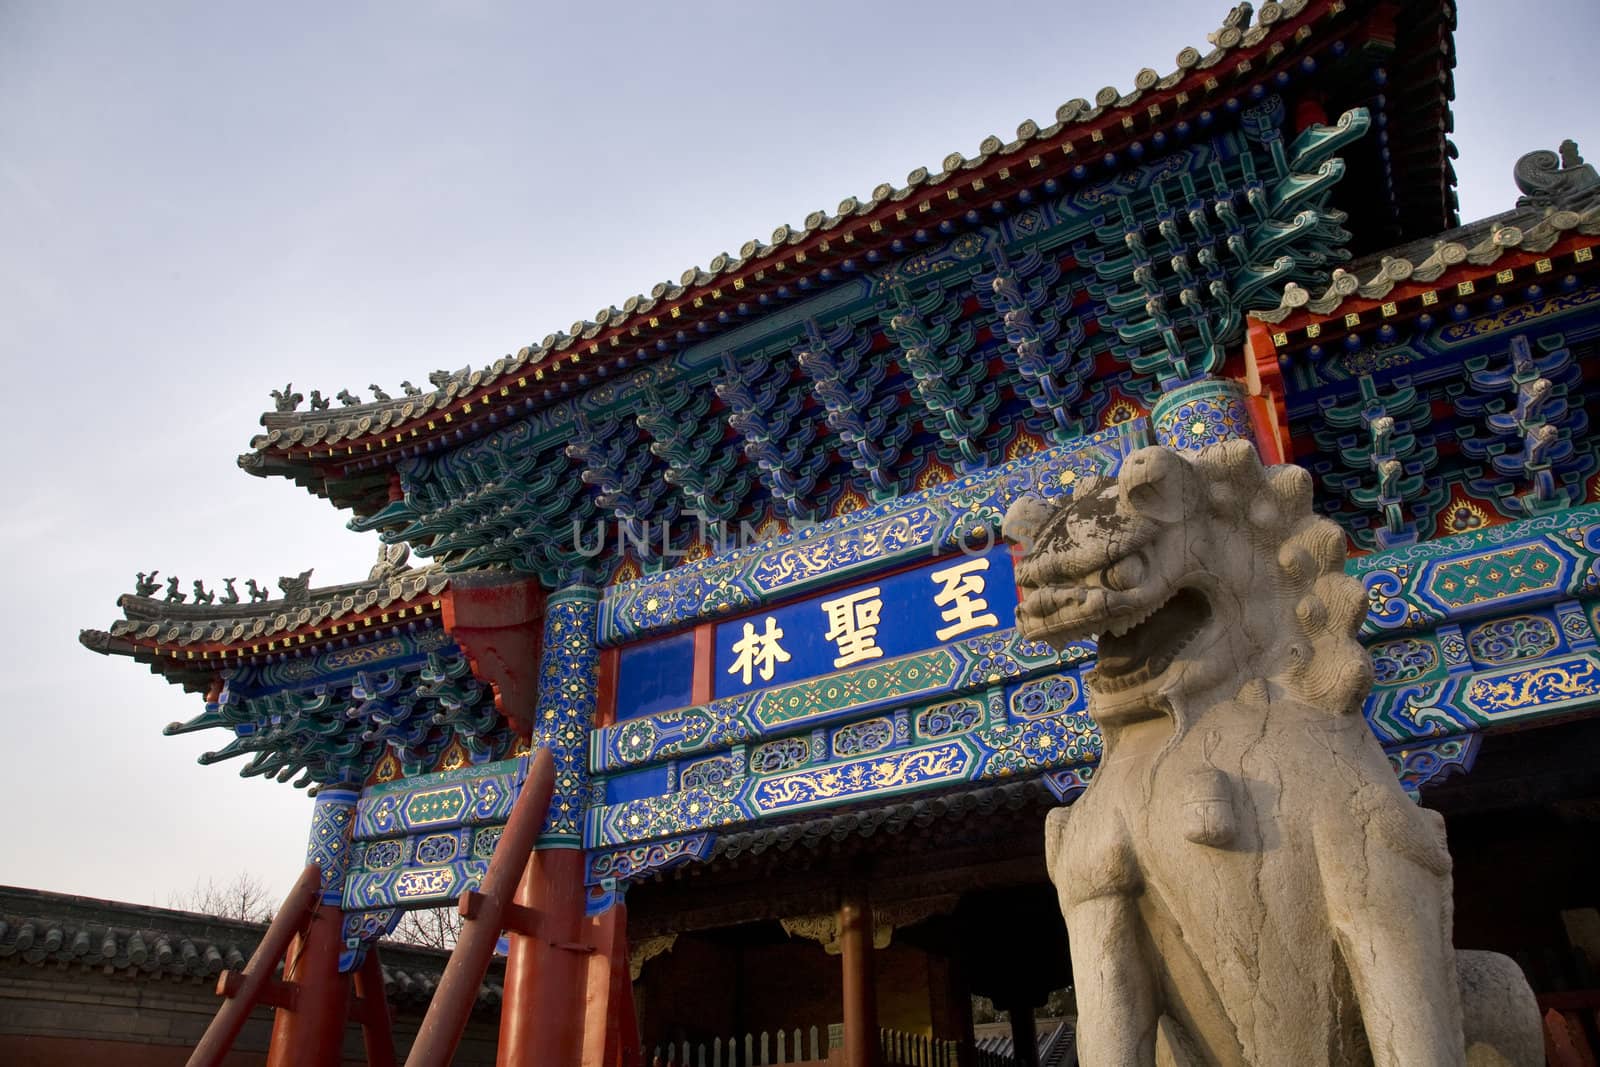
[200,202]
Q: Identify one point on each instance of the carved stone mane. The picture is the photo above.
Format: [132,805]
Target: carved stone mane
[1244,882]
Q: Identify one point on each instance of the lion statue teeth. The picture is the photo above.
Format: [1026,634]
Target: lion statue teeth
[1244,882]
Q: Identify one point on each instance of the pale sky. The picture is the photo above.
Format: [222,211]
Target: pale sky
[200,202]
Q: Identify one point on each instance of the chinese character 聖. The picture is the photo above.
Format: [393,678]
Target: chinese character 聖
[962,598]
[852,625]
[758,652]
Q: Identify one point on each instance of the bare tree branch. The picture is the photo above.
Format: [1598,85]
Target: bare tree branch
[430,927]
[244,897]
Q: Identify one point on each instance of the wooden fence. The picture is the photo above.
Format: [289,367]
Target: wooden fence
[810,1049]
[752,1050]
[915,1050]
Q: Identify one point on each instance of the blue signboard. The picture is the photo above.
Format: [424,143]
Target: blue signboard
[653,676]
[955,597]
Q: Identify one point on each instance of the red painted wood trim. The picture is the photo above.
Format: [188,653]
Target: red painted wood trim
[605,712]
[705,663]
[1264,380]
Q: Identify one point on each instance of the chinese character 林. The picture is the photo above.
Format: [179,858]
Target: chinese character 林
[758,653]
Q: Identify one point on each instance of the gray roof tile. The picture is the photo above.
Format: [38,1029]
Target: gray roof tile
[287,429]
[39,928]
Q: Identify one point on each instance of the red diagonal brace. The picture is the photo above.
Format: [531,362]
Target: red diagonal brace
[463,975]
[513,916]
[274,991]
[219,1037]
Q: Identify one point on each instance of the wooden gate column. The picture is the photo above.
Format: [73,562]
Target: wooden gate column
[542,1016]
[310,1031]
[860,992]
[1024,1032]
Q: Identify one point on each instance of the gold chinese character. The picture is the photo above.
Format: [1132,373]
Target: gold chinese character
[758,653]
[852,624]
[962,598]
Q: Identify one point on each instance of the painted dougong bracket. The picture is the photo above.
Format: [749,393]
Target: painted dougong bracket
[497,621]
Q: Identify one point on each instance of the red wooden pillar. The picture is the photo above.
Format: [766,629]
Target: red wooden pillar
[541,1017]
[486,913]
[611,1032]
[860,994]
[310,1032]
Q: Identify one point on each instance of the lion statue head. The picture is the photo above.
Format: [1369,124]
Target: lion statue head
[1204,578]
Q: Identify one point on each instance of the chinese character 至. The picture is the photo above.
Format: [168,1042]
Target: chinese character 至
[852,625]
[758,653]
[962,598]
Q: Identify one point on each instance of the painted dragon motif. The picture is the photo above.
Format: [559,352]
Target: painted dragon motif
[1245,882]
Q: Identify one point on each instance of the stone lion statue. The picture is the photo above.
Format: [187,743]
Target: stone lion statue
[1244,882]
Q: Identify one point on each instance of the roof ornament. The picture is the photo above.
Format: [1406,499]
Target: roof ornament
[146,584]
[296,590]
[286,399]
[318,401]
[1559,180]
[347,398]
[257,594]
[203,595]
[231,596]
[441,378]
[174,596]
[1237,20]
[378,393]
[409,389]
[392,559]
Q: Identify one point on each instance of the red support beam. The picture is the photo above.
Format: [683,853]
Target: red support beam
[274,992]
[246,990]
[497,623]
[463,975]
[513,916]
